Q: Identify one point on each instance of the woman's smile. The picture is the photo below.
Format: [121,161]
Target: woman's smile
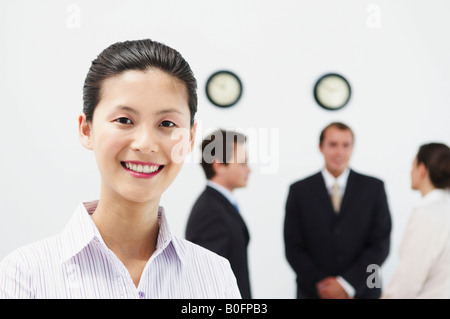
[142,170]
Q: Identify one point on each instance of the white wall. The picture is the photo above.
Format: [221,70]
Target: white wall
[394,53]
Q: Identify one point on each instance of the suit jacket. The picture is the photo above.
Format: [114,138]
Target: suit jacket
[215,224]
[320,243]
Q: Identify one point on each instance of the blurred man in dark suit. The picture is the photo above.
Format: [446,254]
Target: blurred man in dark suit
[215,221]
[337,224]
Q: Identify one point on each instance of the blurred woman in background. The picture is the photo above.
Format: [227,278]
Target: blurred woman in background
[424,269]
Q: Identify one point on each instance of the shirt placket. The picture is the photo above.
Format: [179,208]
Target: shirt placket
[123,282]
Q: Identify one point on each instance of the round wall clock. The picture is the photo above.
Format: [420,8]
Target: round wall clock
[224,88]
[332,91]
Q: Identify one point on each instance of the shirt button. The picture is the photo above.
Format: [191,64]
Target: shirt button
[141,295]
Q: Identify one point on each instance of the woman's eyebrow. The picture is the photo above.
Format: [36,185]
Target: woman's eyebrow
[127,108]
[161,112]
[170,110]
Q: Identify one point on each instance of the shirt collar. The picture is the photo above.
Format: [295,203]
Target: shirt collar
[330,179]
[224,191]
[81,231]
[434,195]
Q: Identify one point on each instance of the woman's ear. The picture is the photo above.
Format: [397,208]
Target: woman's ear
[423,170]
[85,131]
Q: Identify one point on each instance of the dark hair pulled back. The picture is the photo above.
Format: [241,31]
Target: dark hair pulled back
[436,158]
[136,55]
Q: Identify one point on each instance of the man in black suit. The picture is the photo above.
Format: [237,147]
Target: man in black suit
[215,221]
[337,224]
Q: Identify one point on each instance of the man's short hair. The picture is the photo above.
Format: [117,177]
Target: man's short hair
[219,146]
[338,125]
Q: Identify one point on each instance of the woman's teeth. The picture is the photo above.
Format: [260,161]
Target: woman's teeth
[146,169]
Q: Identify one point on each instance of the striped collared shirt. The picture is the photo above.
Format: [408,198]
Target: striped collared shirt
[77,264]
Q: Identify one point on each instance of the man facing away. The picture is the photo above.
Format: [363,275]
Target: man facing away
[337,223]
[215,221]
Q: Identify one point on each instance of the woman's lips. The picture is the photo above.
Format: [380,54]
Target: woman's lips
[141,169]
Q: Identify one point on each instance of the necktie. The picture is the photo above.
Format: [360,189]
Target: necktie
[336,197]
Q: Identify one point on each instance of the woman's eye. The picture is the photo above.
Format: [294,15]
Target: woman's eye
[124,120]
[167,124]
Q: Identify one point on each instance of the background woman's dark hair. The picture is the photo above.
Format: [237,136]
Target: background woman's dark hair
[436,158]
[136,55]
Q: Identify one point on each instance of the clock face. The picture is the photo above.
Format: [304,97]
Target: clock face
[332,91]
[224,89]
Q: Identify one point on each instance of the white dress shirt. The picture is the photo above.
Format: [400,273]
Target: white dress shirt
[77,264]
[341,180]
[424,267]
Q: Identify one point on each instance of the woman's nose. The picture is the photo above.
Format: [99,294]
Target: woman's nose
[145,141]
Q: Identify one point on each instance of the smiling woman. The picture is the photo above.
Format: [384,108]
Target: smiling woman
[136,95]
[140,132]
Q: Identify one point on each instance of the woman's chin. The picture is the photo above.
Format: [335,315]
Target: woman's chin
[140,197]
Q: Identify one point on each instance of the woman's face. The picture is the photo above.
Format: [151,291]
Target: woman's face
[140,133]
[417,173]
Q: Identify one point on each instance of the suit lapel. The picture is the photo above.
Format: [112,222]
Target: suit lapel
[351,190]
[230,208]
[320,189]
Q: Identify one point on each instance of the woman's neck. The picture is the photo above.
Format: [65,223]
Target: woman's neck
[426,186]
[129,229]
